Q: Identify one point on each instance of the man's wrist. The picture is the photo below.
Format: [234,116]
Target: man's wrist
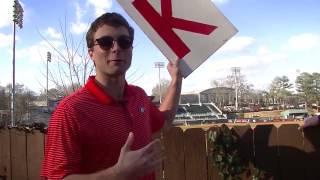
[111,173]
[176,80]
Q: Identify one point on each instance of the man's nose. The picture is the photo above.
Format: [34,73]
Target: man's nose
[115,46]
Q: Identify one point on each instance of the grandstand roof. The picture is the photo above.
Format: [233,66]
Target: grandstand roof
[217,89]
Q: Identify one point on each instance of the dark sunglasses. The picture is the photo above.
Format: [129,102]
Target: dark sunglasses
[106,42]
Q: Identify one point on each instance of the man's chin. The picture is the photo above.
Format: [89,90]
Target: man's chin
[116,73]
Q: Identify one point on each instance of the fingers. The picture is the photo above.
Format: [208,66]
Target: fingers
[155,144]
[142,161]
[173,63]
[154,163]
[152,158]
[129,142]
[174,69]
[310,121]
[154,152]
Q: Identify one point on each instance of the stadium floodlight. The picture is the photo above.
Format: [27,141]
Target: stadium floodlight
[159,65]
[236,75]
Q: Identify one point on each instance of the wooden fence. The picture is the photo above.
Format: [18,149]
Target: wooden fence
[283,153]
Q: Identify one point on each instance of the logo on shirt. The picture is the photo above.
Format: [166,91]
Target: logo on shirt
[141,109]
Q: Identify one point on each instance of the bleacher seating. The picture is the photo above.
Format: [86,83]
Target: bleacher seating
[197,109]
[198,113]
[181,110]
[214,109]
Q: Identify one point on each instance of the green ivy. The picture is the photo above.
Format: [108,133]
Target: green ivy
[226,156]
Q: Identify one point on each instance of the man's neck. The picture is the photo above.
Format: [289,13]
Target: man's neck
[114,86]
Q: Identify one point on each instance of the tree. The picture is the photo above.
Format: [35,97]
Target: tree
[316,81]
[215,83]
[246,92]
[266,97]
[308,87]
[164,86]
[280,89]
[71,63]
[53,93]
[257,97]
[244,89]
[4,99]
[24,96]
[23,100]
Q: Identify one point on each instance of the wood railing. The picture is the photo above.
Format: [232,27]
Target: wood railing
[282,152]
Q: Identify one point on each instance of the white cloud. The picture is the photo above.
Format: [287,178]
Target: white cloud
[100,6]
[237,44]
[5,40]
[79,27]
[255,66]
[53,33]
[6,13]
[263,50]
[79,12]
[273,57]
[34,59]
[37,52]
[306,41]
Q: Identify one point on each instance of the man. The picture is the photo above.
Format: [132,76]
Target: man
[103,131]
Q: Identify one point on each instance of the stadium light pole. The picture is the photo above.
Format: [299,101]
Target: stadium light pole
[17,20]
[47,90]
[236,73]
[159,65]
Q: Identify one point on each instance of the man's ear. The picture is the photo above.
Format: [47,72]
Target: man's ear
[90,52]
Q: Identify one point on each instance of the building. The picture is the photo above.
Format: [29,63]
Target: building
[221,96]
[294,114]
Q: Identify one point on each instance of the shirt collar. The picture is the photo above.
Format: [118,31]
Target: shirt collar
[101,95]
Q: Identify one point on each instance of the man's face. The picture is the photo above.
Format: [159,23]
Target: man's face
[111,60]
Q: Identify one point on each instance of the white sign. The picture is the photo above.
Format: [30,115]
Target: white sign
[187,30]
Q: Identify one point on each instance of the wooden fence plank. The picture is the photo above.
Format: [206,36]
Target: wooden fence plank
[18,155]
[188,157]
[174,151]
[5,164]
[290,146]
[159,171]
[35,154]
[195,154]
[245,135]
[213,172]
[312,150]
[266,151]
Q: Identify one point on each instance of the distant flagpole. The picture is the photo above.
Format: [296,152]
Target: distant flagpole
[17,20]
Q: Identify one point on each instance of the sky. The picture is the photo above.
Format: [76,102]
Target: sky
[275,38]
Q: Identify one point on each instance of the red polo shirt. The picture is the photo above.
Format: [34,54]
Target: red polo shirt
[88,129]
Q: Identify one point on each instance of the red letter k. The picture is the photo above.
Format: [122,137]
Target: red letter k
[163,25]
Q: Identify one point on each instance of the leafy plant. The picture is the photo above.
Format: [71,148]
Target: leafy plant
[226,156]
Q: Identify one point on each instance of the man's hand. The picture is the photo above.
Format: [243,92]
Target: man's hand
[133,164]
[311,121]
[174,71]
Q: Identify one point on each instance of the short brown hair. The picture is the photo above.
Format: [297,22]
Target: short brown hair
[111,19]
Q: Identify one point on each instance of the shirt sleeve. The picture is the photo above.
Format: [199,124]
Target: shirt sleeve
[62,150]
